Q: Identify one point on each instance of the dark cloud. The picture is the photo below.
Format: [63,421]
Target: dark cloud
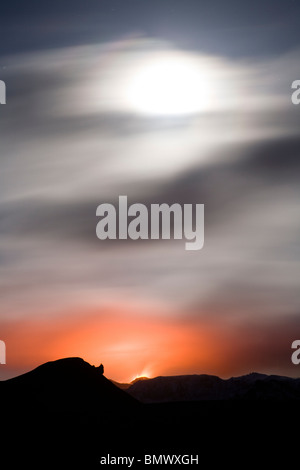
[262,27]
[223,188]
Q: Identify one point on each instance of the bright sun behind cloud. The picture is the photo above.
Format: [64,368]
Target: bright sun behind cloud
[169,85]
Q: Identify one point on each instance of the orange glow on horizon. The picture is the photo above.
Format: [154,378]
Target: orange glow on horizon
[129,342]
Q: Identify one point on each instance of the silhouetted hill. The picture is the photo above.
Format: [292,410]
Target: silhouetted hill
[66,414]
[209,387]
[62,411]
[65,384]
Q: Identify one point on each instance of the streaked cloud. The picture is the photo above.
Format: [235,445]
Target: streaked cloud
[71,141]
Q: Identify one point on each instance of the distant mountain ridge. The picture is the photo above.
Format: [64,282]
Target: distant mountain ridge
[67,414]
[63,382]
[208,387]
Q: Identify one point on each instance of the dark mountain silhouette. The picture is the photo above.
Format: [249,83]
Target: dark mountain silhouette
[66,414]
[207,387]
[66,384]
[63,411]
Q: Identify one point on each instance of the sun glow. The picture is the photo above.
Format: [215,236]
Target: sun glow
[145,374]
[169,85]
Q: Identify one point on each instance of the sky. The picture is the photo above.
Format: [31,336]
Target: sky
[91,114]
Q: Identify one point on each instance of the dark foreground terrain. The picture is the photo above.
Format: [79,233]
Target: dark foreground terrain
[66,414]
